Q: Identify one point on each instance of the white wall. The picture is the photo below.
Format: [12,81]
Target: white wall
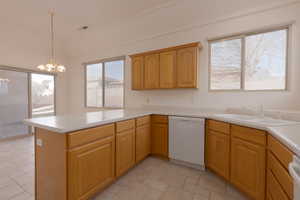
[24,49]
[184,22]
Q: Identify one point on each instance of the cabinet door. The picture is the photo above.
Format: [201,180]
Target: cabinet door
[167,69]
[91,168]
[159,142]
[274,189]
[143,142]
[187,68]
[248,167]
[137,68]
[125,155]
[217,153]
[151,72]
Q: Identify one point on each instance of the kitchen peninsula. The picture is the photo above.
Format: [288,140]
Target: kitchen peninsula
[79,155]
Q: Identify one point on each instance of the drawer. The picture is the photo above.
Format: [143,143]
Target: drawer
[143,120]
[283,154]
[125,125]
[249,134]
[159,119]
[218,126]
[274,190]
[281,174]
[89,135]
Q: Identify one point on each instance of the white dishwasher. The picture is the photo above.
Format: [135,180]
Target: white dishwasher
[186,141]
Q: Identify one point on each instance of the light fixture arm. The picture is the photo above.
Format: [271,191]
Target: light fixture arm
[52,58]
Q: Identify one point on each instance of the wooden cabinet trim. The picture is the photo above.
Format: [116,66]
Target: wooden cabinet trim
[151,71]
[137,73]
[167,69]
[143,120]
[249,134]
[75,188]
[241,176]
[125,163]
[274,189]
[143,142]
[281,174]
[89,135]
[160,139]
[125,125]
[194,44]
[218,126]
[281,152]
[217,156]
[187,68]
[160,119]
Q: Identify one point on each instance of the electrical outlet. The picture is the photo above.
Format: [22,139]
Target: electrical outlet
[147,100]
[39,142]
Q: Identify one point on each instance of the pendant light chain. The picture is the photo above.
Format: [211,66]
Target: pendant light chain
[52,66]
[52,59]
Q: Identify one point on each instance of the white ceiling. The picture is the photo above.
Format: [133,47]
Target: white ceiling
[71,14]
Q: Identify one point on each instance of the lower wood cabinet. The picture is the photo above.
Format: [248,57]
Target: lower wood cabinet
[279,181]
[143,142]
[248,165]
[238,154]
[274,190]
[125,151]
[217,153]
[91,168]
[160,136]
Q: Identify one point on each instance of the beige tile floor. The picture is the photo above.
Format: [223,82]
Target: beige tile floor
[153,179]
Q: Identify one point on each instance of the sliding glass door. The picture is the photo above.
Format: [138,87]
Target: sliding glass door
[13,103]
[24,94]
[42,95]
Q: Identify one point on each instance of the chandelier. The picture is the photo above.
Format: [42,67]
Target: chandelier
[52,66]
[4,80]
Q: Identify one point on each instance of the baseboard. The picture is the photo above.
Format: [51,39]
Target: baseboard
[187,164]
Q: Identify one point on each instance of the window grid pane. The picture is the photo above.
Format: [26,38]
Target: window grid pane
[94,93]
[226,65]
[105,84]
[265,61]
[252,62]
[114,84]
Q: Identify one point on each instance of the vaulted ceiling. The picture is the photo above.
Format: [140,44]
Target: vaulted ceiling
[70,14]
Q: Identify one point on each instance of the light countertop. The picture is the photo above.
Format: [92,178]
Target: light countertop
[288,134]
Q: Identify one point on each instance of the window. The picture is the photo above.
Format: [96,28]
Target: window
[24,94]
[250,62]
[105,84]
[42,95]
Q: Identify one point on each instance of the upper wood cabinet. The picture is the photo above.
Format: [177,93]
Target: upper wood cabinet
[137,68]
[187,68]
[151,71]
[167,69]
[174,67]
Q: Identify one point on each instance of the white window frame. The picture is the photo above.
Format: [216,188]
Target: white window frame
[103,61]
[242,36]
